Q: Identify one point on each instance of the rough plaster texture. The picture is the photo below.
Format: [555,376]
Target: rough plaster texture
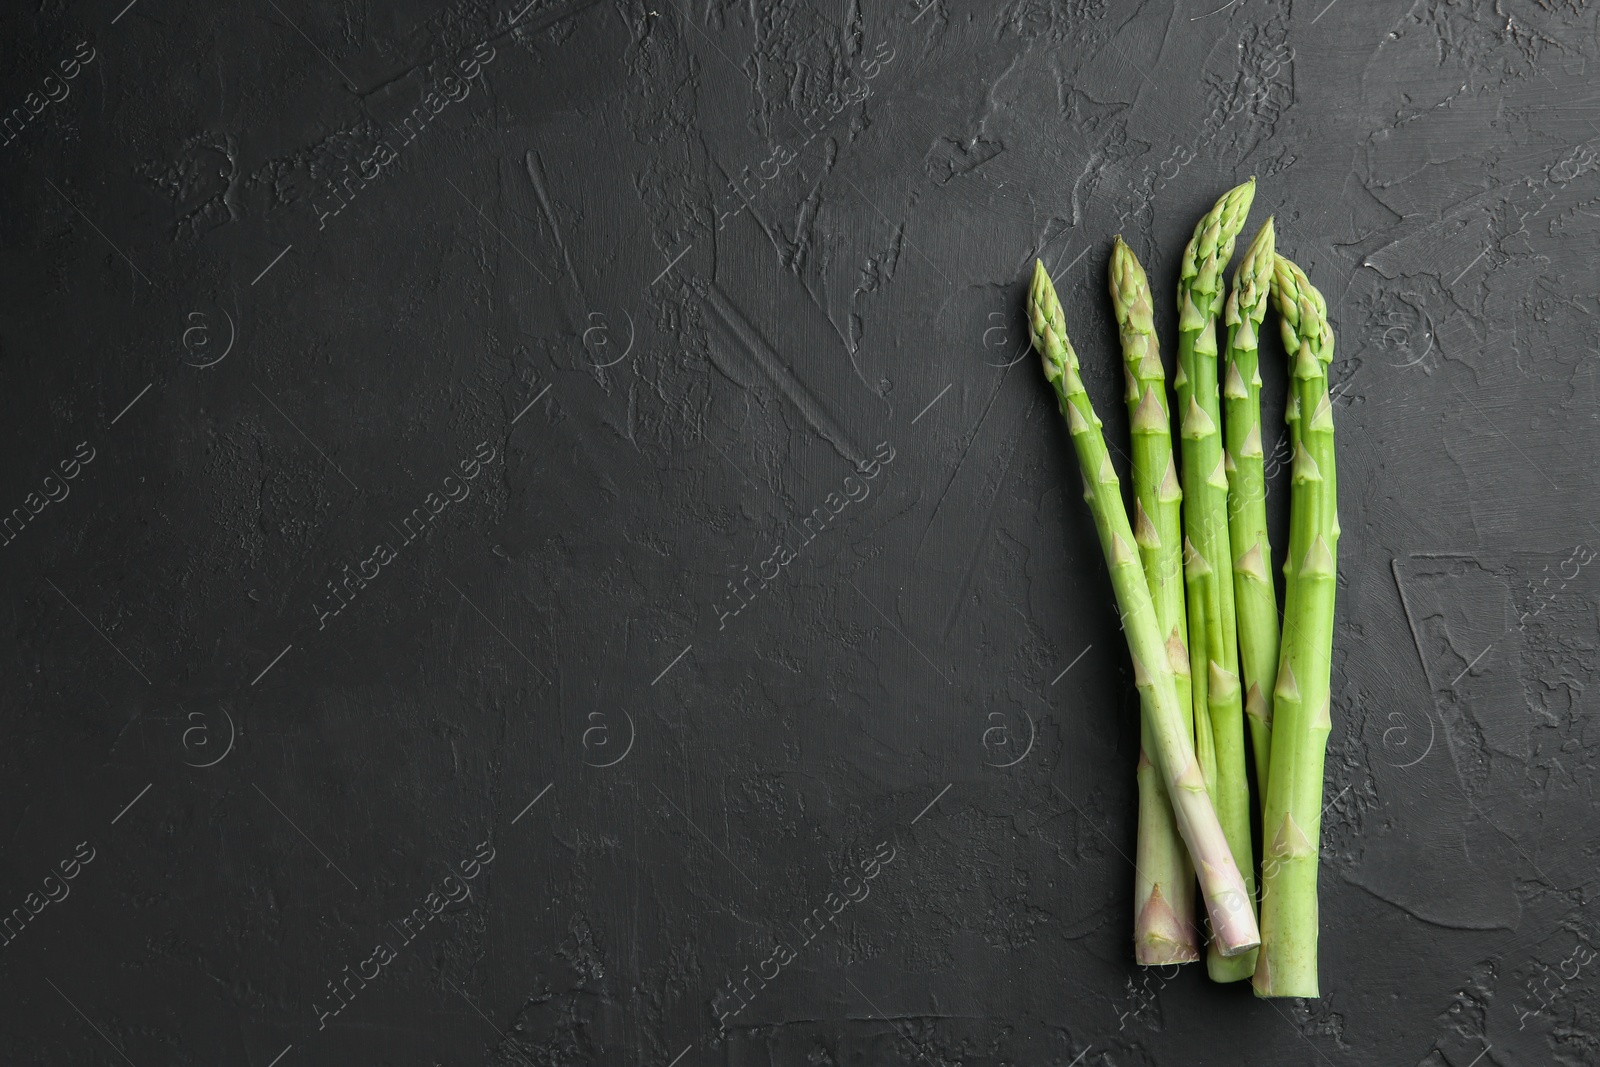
[445,373]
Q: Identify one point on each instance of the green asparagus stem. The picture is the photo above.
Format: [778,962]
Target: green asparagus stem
[1217,696]
[1301,522]
[1288,325]
[1292,814]
[1255,601]
[1222,885]
[1163,905]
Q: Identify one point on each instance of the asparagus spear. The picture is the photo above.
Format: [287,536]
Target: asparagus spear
[1292,814]
[1289,324]
[1218,700]
[1163,904]
[1255,601]
[1227,898]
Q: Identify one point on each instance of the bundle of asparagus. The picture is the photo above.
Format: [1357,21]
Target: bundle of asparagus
[1233,920]
[1207,656]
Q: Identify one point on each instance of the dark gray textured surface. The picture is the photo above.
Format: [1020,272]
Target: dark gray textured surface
[658,293]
